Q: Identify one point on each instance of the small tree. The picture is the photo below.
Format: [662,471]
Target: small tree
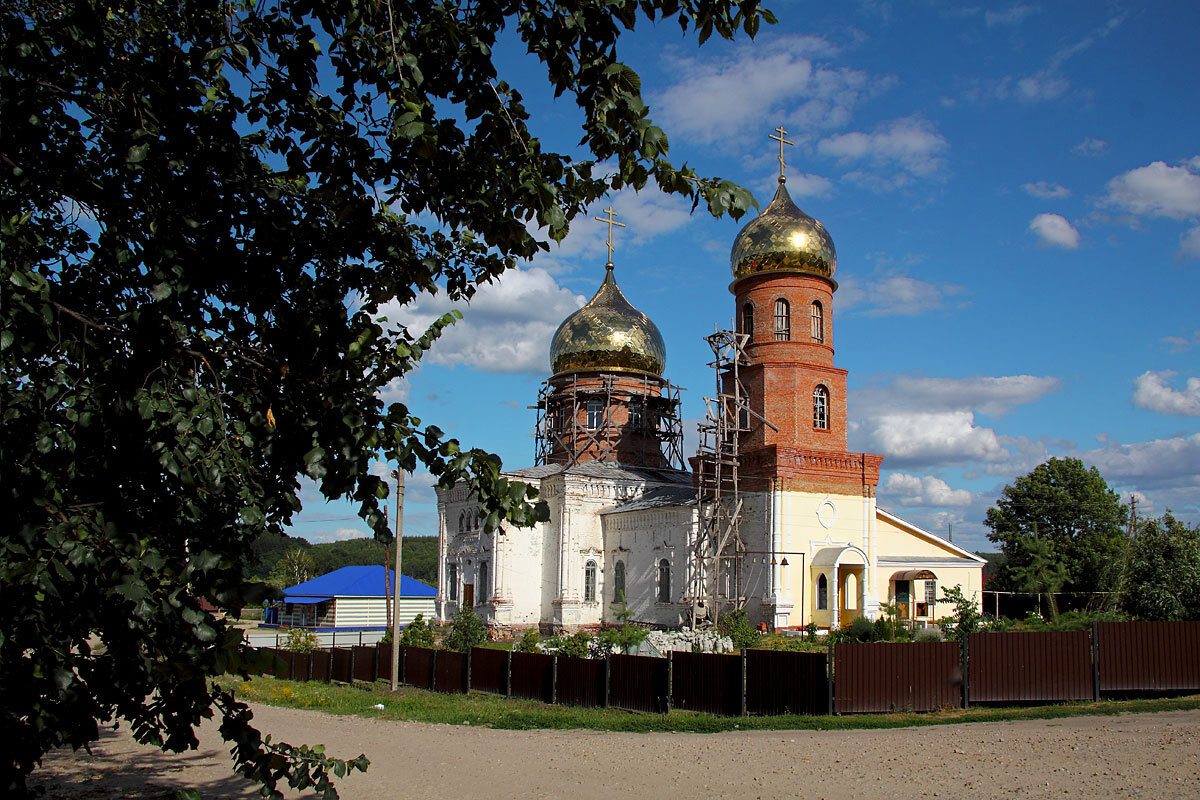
[1163,578]
[627,636]
[296,566]
[965,619]
[737,627]
[576,645]
[418,633]
[466,631]
[529,642]
[301,641]
[1039,570]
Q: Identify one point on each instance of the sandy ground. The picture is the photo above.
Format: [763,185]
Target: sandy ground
[1134,755]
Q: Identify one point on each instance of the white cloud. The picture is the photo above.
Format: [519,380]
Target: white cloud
[1053,230]
[339,535]
[1152,391]
[924,490]
[1090,147]
[1048,83]
[1189,245]
[911,144]
[1176,344]
[926,438]
[895,295]
[1157,464]
[1157,190]
[809,185]
[1046,190]
[1010,16]
[993,396]
[507,326]
[771,78]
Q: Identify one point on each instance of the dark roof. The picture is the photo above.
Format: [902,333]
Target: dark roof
[364,581]
[606,469]
[662,497]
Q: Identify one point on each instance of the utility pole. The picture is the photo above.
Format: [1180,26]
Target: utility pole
[950,531]
[398,474]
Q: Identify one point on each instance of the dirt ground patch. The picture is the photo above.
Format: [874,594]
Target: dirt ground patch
[1133,755]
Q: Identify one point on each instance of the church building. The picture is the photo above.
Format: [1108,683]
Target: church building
[774,515]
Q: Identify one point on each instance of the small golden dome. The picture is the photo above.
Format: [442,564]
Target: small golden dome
[783,239]
[608,334]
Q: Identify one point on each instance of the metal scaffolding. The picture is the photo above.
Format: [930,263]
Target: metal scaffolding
[719,548]
[651,437]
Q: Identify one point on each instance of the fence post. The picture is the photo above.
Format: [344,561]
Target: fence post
[433,672]
[377,661]
[467,687]
[353,658]
[1096,662]
[404,663]
[554,679]
[742,686]
[607,676]
[829,677]
[670,679]
[329,670]
[508,675]
[964,660]
[311,658]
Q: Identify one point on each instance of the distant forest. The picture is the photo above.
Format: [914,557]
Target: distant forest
[417,560]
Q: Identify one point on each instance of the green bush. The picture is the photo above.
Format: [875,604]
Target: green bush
[929,635]
[301,641]
[528,642]
[466,631]
[737,627]
[417,633]
[575,645]
[860,630]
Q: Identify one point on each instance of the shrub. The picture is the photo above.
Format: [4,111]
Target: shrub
[301,641]
[417,633]
[575,645]
[624,638]
[737,627]
[860,630]
[965,619]
[466,631]
[929,635]
[529,642]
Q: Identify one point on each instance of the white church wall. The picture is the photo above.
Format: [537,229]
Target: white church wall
[642,540]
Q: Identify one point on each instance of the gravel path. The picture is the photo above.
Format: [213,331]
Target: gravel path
[1134,755]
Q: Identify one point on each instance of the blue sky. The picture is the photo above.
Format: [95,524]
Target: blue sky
[1014,193]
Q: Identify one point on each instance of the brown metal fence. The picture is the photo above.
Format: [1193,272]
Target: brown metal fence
[580,681]
[489,670]
[1149,656]
[320,666]
[364,662]
[779,682]
[450,671]
[918,676]
[533,676]
[1030,666]
[638,683]
[418,667]
[708,682]
[340,664]
[383,662]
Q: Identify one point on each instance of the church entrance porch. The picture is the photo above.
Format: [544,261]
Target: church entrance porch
[851,594]
[841,585]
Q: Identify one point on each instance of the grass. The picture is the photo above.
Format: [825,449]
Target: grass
[481,709]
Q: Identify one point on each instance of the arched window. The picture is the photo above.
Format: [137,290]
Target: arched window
[482,584]
[748,320]
[619,582]
[589,582]
[822,592]
[818,322]
[664,581]
[462,521]
[478,518]
[595,414]
[821,408]
[452,580]
[637,415]
[783,320]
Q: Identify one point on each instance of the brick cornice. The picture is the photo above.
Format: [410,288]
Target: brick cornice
[818,470]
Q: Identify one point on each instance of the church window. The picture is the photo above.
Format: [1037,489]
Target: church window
[595,414]
[619,582]
[783,320]
[818,322]
[462,521]
[452,580]
[664,581]
[637,416]
[482,586]
[748,320]
[822,592]
[478,518]
[821,408]
[589,582]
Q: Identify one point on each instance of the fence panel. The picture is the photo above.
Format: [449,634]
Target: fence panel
[580,681]
[450,671]
[533,676]
[1149,656]
[886,676]
[489,669]
[418,667]
[383,657]
[708,682]
[320,666]
[364,662]
[301,665]
[780,682]
[1030,666]
[341,665]
[638,683]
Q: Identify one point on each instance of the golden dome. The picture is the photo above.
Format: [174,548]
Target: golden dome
[608,334]
[783,239]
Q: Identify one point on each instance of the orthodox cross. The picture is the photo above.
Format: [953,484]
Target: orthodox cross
[611,219]
[782,141]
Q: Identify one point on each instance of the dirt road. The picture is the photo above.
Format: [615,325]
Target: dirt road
[1136,755]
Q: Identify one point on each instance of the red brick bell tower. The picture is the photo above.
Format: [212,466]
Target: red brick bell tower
[783,265]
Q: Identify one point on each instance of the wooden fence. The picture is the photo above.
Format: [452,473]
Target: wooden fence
[1015,667]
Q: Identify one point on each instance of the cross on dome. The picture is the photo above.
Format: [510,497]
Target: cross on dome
[782,139]
[611,220]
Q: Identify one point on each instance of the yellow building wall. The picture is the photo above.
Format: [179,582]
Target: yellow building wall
[894,541]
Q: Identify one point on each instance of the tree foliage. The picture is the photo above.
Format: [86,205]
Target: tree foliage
[1068,510]
[1162,581]
[205,206]
[466,631]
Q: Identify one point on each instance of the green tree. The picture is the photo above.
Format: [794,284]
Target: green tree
[965,618]
[205,207]
[1074,513]
[466,631]
[737,627]
[1040,570]
[296,566]
[1162,581]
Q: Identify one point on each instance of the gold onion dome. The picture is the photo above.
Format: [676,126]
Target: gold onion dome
[783,239]
[608,334]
